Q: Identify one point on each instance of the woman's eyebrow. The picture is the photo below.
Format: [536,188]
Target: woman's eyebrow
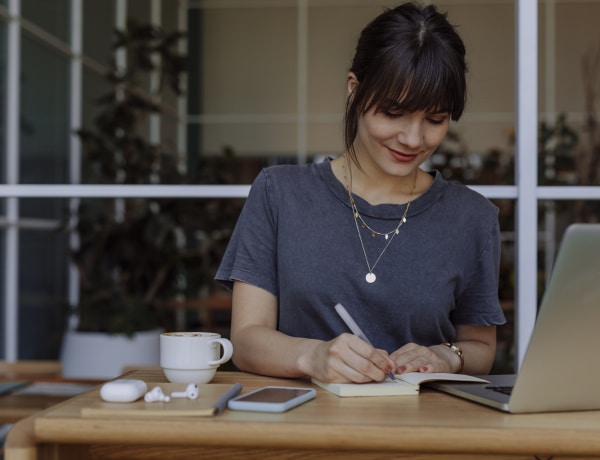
[392,104]
[401,106]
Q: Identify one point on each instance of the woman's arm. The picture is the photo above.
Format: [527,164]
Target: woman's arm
[259,348]
[478,345]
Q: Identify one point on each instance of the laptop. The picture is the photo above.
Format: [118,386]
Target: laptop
[560,369]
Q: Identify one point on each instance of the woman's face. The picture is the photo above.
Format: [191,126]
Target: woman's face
[397,142]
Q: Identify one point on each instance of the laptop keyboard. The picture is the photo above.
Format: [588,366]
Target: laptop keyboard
[501,389]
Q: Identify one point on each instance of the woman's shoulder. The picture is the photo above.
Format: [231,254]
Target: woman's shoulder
[293,170]
[292,175]
[282,185]
[466,195]
[460,202]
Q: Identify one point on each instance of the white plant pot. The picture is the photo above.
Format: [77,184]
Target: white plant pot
[94,355]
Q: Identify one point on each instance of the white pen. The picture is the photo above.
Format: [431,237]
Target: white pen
[339,308]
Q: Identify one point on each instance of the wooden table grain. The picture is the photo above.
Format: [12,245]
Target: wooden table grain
[15,406]
[429,426]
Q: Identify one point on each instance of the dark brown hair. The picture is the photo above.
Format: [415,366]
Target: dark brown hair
[409,56]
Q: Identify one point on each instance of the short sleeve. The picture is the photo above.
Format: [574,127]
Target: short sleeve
[251,253]
[479,304]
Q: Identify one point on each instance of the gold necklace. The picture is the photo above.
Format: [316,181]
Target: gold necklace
[370,277]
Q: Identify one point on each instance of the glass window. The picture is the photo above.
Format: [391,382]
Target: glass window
[140,10]
[570,72]
[98,31]
[51,15]
[98,108]
[329,58]
[169,121]
[485,132]
[248,72]
[42,289]
[3,51]
[506,289]
[555,217]
[94,86]
[44,136]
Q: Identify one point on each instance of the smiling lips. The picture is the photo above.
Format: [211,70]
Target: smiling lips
[401,156]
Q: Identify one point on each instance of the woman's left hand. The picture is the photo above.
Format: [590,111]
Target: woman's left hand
[417,358]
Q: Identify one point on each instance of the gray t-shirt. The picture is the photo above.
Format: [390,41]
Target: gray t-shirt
[296,238]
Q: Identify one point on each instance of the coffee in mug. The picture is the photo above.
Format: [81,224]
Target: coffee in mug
[193,357]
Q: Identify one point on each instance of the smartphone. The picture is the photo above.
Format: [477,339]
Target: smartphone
[272,399]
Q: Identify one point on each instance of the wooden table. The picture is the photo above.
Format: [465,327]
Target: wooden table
[15,406]
[429,426]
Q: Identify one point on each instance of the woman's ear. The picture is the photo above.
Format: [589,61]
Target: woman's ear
[352,83]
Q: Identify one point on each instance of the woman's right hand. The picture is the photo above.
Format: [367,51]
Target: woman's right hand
[348,358]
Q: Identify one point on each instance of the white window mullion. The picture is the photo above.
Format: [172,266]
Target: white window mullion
[154,119]
[11,256]
[182,130]
[301,126]
[526,174]
[550,117]
[124,191]
[75,97]
[121,64]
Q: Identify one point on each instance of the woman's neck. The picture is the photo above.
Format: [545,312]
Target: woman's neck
[376,187]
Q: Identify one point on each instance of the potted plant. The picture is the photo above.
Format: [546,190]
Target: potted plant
[135,254]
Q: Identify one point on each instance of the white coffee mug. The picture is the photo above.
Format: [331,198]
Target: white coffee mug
[192,357]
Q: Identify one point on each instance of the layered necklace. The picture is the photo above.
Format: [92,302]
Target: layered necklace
[370,277]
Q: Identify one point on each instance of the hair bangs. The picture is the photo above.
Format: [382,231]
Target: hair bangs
[417,85]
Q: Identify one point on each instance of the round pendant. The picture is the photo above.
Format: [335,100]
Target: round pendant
[370,277]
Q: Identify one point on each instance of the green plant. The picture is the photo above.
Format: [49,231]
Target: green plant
[135,254]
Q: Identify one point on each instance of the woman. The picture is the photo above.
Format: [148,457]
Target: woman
[413,258]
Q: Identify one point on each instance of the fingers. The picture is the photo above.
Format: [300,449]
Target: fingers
[369,361]
[350,359]
[416,358]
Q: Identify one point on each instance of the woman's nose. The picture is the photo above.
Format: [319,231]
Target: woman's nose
[410,134]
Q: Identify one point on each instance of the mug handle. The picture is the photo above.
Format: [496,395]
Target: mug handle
[227,351]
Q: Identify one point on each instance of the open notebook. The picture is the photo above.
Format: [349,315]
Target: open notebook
[559,371]
[405,384]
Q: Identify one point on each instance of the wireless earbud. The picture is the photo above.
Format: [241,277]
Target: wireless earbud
[156,394]
[191,392]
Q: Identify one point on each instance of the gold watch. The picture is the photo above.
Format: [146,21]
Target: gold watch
[458,352]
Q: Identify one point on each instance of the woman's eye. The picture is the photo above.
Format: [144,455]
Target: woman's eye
[393,113]
[437,121]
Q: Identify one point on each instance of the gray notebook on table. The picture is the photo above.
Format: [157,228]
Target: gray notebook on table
[560,370]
